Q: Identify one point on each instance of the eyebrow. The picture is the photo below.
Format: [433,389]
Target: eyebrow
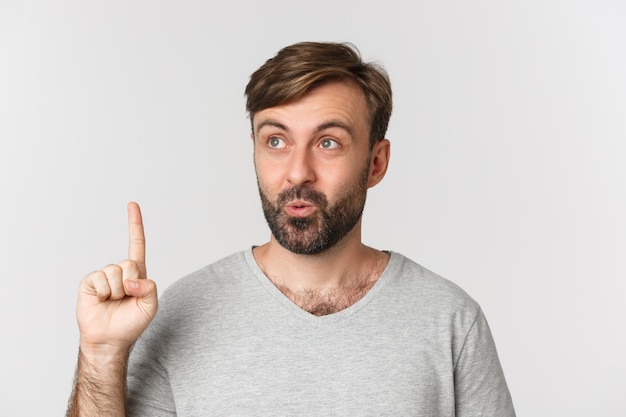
[326,125]
[272,123]
[335,123]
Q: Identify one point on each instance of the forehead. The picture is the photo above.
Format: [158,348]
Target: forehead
[340,101]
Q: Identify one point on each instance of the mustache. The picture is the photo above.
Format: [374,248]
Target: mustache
[303,193]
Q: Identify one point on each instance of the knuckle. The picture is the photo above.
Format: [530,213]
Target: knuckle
[111,270]
[129,268]
[94,275]
[91,280]
[127,264]
[95,283]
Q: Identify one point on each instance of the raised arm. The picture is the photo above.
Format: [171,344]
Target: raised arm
[115,305]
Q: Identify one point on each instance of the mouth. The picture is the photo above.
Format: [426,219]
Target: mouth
[299,208]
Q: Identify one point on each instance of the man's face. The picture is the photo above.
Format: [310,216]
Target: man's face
[312,159]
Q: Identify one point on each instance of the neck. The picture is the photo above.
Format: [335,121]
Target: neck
[326,282]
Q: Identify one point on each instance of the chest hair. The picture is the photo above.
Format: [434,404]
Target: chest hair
[324,302]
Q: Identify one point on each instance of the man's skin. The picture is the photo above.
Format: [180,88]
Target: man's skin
[301,160]
[115,305]
[320,141]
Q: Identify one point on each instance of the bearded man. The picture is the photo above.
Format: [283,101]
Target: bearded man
[313,322]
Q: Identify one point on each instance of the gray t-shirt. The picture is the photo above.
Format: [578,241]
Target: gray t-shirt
[227,342]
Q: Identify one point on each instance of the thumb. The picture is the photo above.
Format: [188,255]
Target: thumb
[146,292]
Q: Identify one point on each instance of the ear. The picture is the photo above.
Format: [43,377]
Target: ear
[253,149]
[379,162]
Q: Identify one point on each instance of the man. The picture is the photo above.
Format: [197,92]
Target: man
[312,323]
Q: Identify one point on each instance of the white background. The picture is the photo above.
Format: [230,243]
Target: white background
[507,173]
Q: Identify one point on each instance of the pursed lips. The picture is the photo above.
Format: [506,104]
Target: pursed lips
[299,208]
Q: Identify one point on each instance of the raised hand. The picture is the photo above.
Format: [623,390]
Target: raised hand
[116,303]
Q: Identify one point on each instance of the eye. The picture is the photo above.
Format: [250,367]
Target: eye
[328,143]
[276,142]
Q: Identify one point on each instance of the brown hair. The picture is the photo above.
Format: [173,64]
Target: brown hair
[298,68]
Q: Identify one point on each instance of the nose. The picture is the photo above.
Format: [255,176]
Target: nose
[301,167]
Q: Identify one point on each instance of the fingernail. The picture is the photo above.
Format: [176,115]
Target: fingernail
[132,283]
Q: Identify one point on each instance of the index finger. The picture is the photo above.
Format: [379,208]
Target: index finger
[136,238]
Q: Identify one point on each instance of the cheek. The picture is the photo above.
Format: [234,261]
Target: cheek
[347,178]
[266,183]
[267,179]
[262,168]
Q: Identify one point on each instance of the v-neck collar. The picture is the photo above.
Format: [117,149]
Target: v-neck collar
[326,320]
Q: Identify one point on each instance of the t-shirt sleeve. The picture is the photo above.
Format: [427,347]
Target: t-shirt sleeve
[480,386]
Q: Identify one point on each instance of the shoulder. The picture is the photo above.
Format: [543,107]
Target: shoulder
[224,273]
[425,289]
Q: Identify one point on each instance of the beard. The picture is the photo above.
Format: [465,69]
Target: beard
[316,233]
